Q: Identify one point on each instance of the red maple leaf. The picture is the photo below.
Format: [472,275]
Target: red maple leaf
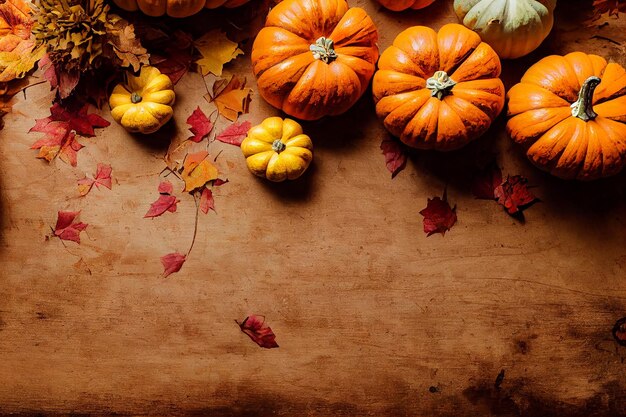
[395,155]
[254,326]
[486,181]
[206,201]
[59,128]
[165,202]
[66,229]
[172,262]
[219,182]
[439,217]
[514,194]
[201,126]
[235,133]
[101,178]
[172,55]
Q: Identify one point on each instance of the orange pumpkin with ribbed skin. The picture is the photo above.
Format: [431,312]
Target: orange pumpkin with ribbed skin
[438,90]
[569,112]
[175,8]
[314,58]
[399,5]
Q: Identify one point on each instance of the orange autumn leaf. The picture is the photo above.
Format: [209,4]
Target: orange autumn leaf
[197,171]
[16,43]
[233,100]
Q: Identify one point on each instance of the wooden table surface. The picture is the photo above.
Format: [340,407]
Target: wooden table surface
[372,317]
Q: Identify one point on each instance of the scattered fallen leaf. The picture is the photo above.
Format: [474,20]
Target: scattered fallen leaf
[126,45]
[514,195]
[197,171]
[217,182]
[235,133]
[206,201]
[619,331]
[486,181]
[439,217]
[59,128]
[66,229]
[216,50]
[395,155]
[172,55]
[608,7]
[201,126]
[260,333]
[215,85]
[233,100]
[172,262]
[165,202]
[101,178]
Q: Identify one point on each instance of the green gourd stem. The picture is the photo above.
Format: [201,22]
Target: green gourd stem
[583,107]
[440,84]
[323,49]
[135,98]
[278,146]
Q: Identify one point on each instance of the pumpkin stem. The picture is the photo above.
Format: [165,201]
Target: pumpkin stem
[583,107]
[278,146]
[135,98]
[323,49]
[440,84]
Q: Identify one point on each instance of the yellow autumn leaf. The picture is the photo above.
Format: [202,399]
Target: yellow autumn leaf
[16,43]
[216,50]
[197,171]
[17,63]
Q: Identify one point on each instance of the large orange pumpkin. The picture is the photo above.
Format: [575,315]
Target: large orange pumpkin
[175,8]
[569,112]
[315,57]
[438,90]
[399,5]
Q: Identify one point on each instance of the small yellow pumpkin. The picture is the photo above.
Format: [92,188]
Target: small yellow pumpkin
[144,103]
[277,149]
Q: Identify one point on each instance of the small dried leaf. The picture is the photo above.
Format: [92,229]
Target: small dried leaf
[201,126]
[197,171]
[514,194]
[172,262]
[395,155]
[126,45]
[66,229]
[235,133]
[439,217]
[206,201]
[260,333]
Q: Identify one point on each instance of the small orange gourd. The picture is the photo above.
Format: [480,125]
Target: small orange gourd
[438,90]
[314,58]
[569,112]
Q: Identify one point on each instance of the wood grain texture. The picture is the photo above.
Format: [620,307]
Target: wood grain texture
[372,317]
